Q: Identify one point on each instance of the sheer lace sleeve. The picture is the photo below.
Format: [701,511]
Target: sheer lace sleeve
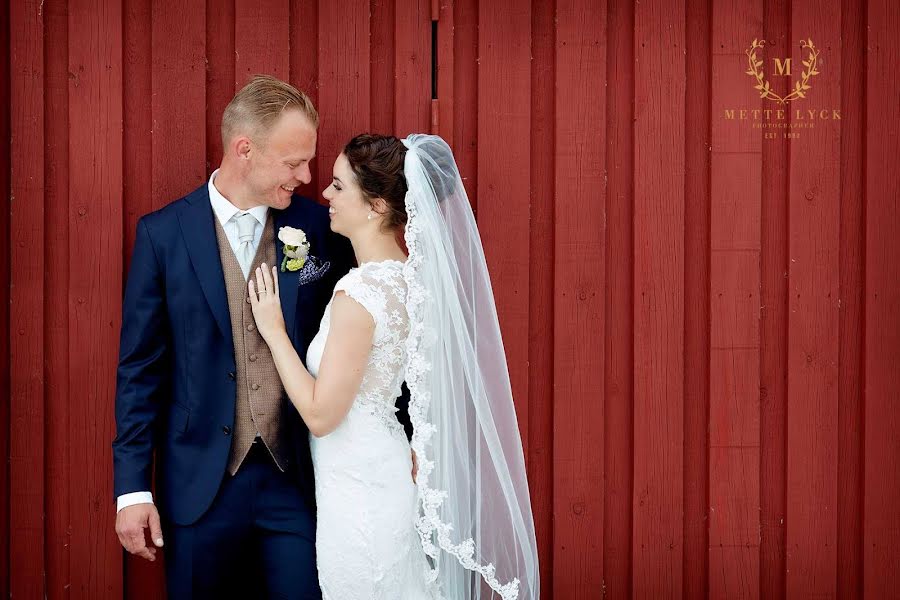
[365,291]
[380,289]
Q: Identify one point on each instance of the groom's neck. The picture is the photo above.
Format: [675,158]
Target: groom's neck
[232,187]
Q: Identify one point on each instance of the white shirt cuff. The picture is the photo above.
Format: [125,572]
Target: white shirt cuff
[133,498]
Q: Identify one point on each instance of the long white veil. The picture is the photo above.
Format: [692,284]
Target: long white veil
[475,513]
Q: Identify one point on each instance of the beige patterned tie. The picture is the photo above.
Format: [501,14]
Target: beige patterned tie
[246,226]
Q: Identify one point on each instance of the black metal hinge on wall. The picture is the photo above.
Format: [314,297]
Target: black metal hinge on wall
[435,108]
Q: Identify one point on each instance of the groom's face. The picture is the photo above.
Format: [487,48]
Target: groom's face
[281,162]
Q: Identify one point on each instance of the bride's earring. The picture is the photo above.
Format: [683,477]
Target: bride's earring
[370,216]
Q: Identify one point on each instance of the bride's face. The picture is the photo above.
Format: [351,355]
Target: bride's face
[348,209]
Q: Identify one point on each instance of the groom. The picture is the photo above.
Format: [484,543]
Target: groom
[197,389]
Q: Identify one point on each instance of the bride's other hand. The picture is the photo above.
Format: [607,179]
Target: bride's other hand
[415,466]
[266,302]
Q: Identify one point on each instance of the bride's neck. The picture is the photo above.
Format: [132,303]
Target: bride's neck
[377,247]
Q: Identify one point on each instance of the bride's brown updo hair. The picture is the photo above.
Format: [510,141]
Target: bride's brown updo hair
[377,161]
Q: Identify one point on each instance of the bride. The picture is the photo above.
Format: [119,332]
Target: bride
[463,529]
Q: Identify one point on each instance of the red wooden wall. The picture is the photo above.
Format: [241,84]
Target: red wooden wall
[701,323]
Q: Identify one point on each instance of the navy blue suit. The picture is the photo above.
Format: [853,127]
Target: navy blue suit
[175,394]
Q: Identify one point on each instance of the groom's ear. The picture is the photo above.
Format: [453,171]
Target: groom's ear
[242,146]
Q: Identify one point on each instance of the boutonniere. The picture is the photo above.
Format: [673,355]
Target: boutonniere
[296,248]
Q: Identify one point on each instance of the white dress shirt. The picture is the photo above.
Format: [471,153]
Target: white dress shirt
[225,212]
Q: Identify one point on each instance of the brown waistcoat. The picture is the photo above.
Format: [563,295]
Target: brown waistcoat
[258,404]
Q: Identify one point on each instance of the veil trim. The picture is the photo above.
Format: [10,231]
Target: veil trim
[429,523]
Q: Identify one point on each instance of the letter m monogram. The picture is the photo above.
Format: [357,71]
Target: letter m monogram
[783,68]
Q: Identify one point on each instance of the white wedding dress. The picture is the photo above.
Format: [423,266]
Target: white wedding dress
[367,546]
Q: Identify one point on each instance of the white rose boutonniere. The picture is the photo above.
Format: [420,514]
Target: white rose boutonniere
[296,248]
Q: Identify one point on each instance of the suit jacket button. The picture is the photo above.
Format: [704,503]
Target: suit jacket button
[253,358]
[232,375]
[226,430]
[250,327]
[255,386]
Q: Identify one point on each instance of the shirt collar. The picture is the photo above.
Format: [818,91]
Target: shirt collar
[225,210]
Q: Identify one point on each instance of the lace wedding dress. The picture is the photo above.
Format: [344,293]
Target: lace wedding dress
[366,541]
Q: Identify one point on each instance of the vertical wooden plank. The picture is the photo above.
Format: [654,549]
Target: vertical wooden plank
[734,301]
[540,296]
[698,133]
[739,562]
[5,250]
[814,238]
[659,299]
[343,78]
[734,518]
[382,70]
[142,579]
[26,313]
[178,100]
[95,284]
[774,311]
[882,304]
[261,45]
[504,128]
[465,94]
[220,74]
[304,40]
[734,467]
[412,67]
[619,346]
[137,57]
[58,515]
[851,464]
[579,284]
[445,69]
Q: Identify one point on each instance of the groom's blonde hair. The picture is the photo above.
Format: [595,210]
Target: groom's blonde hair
[259,104]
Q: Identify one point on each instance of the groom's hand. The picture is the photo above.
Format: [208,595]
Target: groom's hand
[130,525]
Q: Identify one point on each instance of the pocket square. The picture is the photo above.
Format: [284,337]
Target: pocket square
[312,270]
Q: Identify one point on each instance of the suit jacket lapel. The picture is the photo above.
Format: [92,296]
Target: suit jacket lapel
[198,230]
[287,280]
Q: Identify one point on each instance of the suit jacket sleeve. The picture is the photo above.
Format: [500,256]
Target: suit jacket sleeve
[144,373]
